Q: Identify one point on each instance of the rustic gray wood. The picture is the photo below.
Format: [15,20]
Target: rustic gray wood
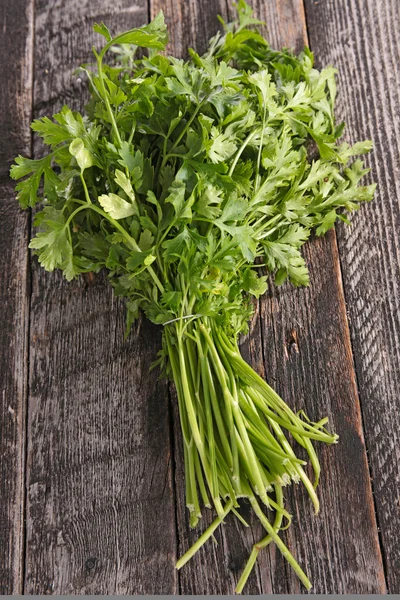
[308,356]
[308,359]
[16,20]
[216,567]
[100,502]
[362,39]
[300,340]
[104,448]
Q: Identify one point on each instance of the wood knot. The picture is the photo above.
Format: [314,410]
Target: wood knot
[291,346]
[90,563]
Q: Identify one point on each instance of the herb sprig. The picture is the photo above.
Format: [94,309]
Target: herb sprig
[186,180]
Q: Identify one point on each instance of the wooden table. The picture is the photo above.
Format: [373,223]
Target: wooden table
[91,465]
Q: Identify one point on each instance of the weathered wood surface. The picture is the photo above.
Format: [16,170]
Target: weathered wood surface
[16,20]
[317,374]
[100,503]
[362,39]
[105,498]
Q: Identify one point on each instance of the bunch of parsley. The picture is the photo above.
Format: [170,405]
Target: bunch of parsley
[185,180]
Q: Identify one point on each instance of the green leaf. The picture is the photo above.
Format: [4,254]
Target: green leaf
[116,207]
[287,261]
[172,300]
[52,133]
[263,81]
[28,188]
[125,185]
[221,146]
[209,202]
[146,240]
[327,223]
[295,235]
[116,95]
[137,259]
[254,284]
[94,245]
[153,36]
[133,161]
[245,13]
[102,30]
[175,247]
[234,210]
[132,314]
[71,122]
[53,243]
[83,157]
[181,206]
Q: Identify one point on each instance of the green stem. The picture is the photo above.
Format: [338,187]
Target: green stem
[203,538]
[300,471]
[200,481]
[239,152]
[262,544]
[228,399]
[180,136]
[217,413]
[257,177]
[177,380]
[253,379]
[210,428]
[283,549]
[192,500]
[191,413]
[284,422]
[233,405]
[131,242]
[88,200]
[104,94]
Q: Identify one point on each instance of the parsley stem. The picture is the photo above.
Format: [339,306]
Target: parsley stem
[192,500]
[283,549]
[180,136]
[257,177]
[262,544]
[235,415]
[208,378]
[241,149]
[85,189]
[132,243]
[104,94]
[189,403]
[203,538]
[175,372]
[209,421]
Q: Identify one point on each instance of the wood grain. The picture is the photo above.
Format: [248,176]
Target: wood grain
[100,516]
[362,39]
[309,362]
[16,19]
[300,340]
[100,488]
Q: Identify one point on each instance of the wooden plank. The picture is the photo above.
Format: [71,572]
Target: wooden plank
[362,39]
[215,569]
[300,339]
[16,19]
[100,516]
[308,359]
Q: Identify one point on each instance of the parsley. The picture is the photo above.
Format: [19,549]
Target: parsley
[182,179]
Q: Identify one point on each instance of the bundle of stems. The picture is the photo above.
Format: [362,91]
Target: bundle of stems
[235,429]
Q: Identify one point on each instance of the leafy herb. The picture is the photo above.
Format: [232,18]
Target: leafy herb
[183,178]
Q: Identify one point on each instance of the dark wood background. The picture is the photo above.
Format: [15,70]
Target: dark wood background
[91,467]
